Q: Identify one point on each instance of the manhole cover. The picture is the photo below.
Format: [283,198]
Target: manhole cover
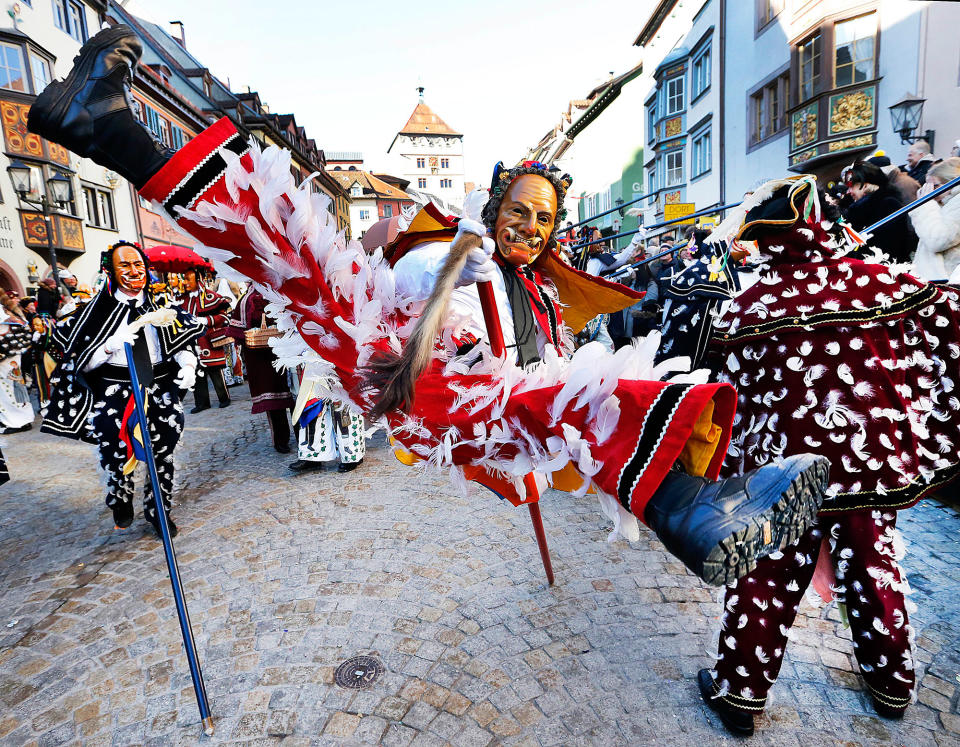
[359,672]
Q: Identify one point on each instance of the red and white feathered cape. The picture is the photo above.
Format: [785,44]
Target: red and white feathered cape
[596,421]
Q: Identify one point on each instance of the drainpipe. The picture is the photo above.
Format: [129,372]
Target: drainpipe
[721,118]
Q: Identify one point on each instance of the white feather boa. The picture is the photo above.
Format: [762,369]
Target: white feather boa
[588,378]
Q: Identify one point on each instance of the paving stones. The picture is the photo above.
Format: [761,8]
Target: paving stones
[289,576]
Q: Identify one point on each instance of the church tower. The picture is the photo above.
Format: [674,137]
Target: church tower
[431,153]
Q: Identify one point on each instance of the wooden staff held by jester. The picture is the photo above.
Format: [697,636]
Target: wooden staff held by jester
[400,334]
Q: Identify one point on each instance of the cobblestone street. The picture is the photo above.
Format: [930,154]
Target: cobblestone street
[288,576]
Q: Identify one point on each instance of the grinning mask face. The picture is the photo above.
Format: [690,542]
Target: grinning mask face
[129,270]
[525,220]
[190,281]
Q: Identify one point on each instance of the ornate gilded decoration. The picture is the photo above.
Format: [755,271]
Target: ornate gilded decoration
[671,198]
[804,126]
[803,156]
[850,142]
[852,111]
[672,127]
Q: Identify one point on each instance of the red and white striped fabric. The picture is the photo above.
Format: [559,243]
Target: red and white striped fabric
[596,420]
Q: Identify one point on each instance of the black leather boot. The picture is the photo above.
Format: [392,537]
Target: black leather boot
[887,711]
[737,722]
[719,529]
[122,513]
[91,111]
[152,520]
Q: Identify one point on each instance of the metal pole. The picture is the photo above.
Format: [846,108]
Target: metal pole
[916,203]
[45,206]
[705,211]
[606,212]
[622,270]
[181,603]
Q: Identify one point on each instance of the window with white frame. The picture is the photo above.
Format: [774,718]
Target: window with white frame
[767,10]
[768,110]
[99,207]
[13,74]
[808,54]
[356,190]
[41,72]
[388,211]
[421,183]
[674,90]
[700,74]
[854,47]
[652,184]
[674,168]
[68,16]
[421,163]
[652,120]
[364,215]
[700,154]
[105,203]
[444,163]
[446,184]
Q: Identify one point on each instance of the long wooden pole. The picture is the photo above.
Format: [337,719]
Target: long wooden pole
[491,318]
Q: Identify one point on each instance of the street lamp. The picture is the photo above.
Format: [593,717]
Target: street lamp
[905,115]
[59,187]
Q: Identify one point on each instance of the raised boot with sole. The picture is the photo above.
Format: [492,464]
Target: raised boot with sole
[90,112]
[719,529]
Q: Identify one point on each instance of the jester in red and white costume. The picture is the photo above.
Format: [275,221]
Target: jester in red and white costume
[650,448]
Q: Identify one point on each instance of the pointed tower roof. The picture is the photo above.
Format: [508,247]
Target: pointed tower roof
[424,121]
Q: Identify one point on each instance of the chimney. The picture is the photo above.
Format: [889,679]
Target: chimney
[182,39]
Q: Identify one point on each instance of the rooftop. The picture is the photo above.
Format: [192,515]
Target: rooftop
[372,185]
[344,155]
[424,121]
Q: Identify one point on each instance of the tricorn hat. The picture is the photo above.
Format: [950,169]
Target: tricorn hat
[772,208]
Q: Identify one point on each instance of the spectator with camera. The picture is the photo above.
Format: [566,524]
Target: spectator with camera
[937,223]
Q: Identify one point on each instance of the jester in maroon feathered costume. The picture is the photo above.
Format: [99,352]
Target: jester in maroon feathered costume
[856,361]
[650,448]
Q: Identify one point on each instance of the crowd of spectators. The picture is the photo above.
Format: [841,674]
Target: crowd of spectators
[928,238]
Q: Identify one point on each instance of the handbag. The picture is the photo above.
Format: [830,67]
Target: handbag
[259,337]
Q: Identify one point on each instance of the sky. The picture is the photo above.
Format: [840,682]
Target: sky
[500,71]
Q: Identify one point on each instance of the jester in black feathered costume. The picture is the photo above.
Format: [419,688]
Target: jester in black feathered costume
[91,398]
[692,297]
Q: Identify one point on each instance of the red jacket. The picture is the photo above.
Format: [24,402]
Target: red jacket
[214,309]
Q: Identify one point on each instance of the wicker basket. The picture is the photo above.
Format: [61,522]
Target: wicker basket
[259,337]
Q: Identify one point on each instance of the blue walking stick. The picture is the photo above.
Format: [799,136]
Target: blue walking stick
[178,598]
